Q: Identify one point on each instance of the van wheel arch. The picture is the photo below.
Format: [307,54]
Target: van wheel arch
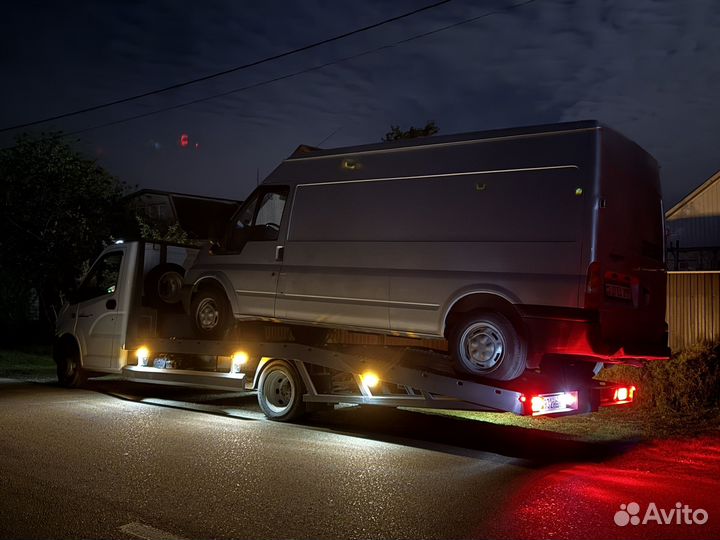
[483,302]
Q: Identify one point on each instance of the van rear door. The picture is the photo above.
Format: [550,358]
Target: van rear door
[627,280]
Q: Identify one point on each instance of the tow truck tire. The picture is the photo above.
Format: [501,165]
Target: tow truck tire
[70,373]
[211,313]
[487,344]
[280,392]
[163,285]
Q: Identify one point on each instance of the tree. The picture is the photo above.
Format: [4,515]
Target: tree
[396,134]
[56,212]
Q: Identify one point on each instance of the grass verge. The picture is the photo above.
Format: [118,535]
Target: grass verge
[622,422]
[30,364]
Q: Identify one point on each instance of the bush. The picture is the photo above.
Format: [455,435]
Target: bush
[687,383]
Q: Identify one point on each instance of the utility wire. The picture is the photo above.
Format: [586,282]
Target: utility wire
[226,71]
[300,72]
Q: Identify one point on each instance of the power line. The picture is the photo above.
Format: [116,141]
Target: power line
[302,71]
[226,71]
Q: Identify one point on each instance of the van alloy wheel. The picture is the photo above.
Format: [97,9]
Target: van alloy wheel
[212,315]
[483,346]
[207,314]
[487,344]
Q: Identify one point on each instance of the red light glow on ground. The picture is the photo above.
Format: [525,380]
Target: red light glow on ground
[581,500]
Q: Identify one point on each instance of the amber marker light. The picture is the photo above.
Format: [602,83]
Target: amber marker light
[369,379]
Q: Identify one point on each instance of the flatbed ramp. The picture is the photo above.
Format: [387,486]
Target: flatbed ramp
[339,374]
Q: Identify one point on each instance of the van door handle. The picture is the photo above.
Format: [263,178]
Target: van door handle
[85,315]
[279,252]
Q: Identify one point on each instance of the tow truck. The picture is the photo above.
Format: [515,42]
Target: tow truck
[126,318]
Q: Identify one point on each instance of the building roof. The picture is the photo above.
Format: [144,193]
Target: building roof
[702,188]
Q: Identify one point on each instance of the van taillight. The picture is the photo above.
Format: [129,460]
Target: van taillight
[594,286]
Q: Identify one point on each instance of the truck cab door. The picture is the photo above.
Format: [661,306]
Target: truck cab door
[96,311]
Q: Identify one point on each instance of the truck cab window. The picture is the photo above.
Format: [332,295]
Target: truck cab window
[259,218]
[102,278]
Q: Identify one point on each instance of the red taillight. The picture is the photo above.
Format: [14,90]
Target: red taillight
[536,404]
[594,286]
[624,394]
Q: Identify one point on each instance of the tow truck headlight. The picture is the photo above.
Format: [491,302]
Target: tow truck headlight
[143,356]
[239,359]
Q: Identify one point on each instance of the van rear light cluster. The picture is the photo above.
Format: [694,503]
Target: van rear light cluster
[617,395]
[623,394]
[594,286]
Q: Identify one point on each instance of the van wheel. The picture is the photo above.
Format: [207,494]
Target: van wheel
[70,373]
[310,335]
[163,285]
[280,392]
[486,344]
[211,313]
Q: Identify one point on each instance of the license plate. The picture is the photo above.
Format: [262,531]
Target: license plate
[554,403]
[618,291]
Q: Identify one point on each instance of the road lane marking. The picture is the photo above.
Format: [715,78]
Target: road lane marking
[147,532]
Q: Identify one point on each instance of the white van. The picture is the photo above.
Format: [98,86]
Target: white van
[517,246]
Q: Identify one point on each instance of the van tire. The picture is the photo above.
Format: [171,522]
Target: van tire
[487,344]
[311,336]
[163,285]
[70,372]
[280,392]
[211,314]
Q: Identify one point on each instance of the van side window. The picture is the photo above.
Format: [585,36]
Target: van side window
[102,278]
[269,215]
[259,218]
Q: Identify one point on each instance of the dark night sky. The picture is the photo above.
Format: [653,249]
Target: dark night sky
[648,68]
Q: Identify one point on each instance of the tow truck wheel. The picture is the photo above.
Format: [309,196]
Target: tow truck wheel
[486,344]
[70,373]
[163,285]
[211,313]
[280,392]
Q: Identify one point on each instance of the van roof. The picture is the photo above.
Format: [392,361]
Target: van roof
[309,152]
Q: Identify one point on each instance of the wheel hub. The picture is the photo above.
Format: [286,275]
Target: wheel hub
[279,391]
[483,347]
[208,314]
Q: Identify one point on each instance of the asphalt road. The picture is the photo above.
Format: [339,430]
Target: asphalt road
[124,460]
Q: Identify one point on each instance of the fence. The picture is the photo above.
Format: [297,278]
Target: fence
[693,307]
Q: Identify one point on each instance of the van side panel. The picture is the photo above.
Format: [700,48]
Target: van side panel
[334,283]
[504,217]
